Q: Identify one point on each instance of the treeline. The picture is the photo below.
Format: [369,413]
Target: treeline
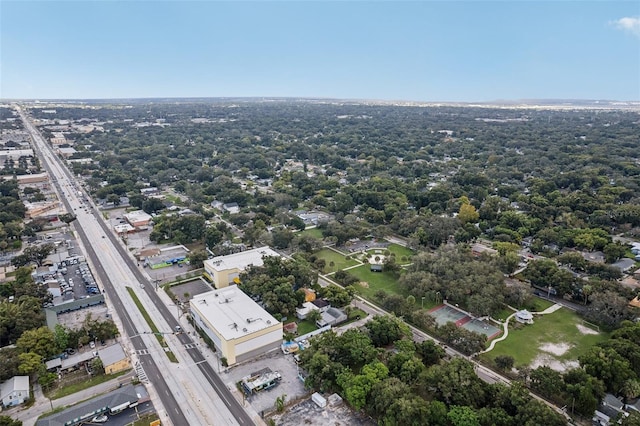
[397,381]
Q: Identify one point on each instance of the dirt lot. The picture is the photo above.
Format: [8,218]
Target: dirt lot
[290,384]
[308,413]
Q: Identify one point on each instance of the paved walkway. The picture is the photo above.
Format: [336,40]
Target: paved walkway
[505,327]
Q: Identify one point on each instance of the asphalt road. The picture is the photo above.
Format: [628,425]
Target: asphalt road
[172,408]
[61,175]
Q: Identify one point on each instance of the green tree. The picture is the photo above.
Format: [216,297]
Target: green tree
[468,214]
[30,363]
[41,341]
[504,362]
[614,251]
[314,316]
[97,366]
[547,382]
[386,329]
[47,379]
[463,416]
[197,258]
[607,365]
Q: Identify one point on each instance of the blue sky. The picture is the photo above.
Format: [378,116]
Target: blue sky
[422,50]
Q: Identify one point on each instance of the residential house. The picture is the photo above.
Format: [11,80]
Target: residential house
[232,208]
[321,304]
[114,359]
[14,391]
[593,256]
[610,408]
[624,264]
[305,310]
[331,316]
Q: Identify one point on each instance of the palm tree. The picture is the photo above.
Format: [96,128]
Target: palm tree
[280,402]
[586,291]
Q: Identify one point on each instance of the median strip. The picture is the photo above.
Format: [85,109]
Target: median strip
[152,326]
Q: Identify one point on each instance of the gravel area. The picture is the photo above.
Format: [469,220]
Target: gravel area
[264,401]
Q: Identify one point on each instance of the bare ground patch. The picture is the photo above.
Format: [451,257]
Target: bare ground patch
[557,349]
[586,330]
[553,363]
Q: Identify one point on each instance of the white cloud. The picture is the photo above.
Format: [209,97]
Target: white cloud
[630,24]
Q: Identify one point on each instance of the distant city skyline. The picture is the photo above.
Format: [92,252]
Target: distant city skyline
[425,51]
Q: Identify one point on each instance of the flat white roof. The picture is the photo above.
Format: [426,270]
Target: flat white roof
[137,215]
[231,312]
[240,260]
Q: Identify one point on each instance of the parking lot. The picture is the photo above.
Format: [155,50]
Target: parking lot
[264,400]
[74,319]
[185,291]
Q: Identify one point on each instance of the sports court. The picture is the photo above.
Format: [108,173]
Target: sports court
[445,313]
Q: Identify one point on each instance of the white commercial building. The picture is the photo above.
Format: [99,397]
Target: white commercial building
[238,327]
[225,270]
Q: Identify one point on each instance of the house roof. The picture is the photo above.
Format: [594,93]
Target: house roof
[612,401]
[111,354]
[92,407]
[321,303]
[16,383]
[624,264]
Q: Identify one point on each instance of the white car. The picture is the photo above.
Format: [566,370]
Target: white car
[92,344]
[99,419]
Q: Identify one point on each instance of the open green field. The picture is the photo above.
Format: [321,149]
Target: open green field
[313,232]
[558,329]
[339,260]
[376,281]
[401,251]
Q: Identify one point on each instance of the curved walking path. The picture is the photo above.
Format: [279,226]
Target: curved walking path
[505,327]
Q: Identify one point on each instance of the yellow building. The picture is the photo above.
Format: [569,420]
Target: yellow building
[114,359]
[224,270]
[239,328]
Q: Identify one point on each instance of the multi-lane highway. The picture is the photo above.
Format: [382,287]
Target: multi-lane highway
[116,269]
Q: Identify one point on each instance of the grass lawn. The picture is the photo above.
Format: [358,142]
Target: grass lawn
[339,260]
[538,305]
[354,315]
[376,281]
[524,341]
[313,232]
[503,314]
[401,251]
[152,326]
[85,384]
[305,327]
[146,420]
